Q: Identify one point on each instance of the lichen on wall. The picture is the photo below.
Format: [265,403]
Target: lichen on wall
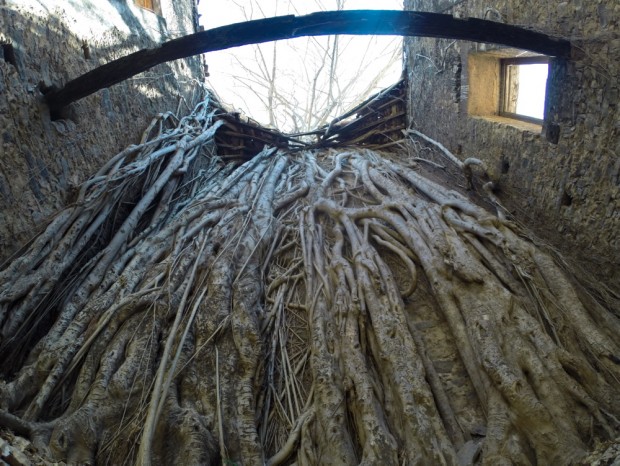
[44,157]
[569,191]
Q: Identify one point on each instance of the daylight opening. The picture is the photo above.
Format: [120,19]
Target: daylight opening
[524,83]
[302,84]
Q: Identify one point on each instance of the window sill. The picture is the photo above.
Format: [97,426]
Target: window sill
[518,124]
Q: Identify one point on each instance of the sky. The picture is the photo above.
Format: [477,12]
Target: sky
[531,96]
[234,73]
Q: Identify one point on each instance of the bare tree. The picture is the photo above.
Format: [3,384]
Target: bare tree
[300,85]
[332,306]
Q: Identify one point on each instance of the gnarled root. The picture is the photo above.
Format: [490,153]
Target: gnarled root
[319,308]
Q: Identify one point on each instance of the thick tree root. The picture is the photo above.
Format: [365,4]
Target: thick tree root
[327,307]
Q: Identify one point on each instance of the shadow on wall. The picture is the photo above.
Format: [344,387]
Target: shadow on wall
[135,24]
[129,17]
[184,21]
[43,161]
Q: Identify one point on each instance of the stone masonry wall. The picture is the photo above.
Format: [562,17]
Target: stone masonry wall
[568,192]
[53,41]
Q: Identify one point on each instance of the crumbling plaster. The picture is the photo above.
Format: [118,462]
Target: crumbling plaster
[42,161]
[569,191]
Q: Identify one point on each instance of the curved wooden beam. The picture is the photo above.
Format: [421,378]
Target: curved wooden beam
[352,22]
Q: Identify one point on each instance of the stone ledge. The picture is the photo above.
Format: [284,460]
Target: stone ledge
[522,125]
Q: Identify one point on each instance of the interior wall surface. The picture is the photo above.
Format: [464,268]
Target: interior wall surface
[43,157]
[561,180]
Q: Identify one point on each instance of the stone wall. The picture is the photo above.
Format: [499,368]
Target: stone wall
[567,191]
[48,42]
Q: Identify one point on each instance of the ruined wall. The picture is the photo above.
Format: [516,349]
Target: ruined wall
[569,191]
[48,43]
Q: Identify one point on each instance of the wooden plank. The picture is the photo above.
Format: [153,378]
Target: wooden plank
[352,22]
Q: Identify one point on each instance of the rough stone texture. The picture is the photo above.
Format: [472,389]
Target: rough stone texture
[568,192]
[41,160]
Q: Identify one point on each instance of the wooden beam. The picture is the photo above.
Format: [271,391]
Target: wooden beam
[353,22]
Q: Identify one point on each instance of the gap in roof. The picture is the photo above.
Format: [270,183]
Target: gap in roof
[316,78]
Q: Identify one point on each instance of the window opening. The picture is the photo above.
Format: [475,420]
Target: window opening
[300,85]
[523,88]
[152,5]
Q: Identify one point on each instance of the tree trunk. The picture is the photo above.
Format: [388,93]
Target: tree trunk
[334,307]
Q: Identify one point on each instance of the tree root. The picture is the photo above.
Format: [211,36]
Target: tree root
[323,307]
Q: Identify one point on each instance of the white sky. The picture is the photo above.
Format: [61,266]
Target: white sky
[362,57]
[532,86]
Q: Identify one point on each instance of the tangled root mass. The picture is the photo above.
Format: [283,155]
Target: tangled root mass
[335,306]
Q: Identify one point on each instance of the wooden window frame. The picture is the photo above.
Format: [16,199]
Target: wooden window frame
[504,93]
[150,5]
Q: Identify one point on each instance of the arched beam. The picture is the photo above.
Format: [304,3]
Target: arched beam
[353,22]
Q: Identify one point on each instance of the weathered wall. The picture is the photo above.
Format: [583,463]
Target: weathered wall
[568,192]
[41,160]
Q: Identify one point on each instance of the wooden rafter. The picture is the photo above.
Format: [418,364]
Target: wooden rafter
[353,22]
